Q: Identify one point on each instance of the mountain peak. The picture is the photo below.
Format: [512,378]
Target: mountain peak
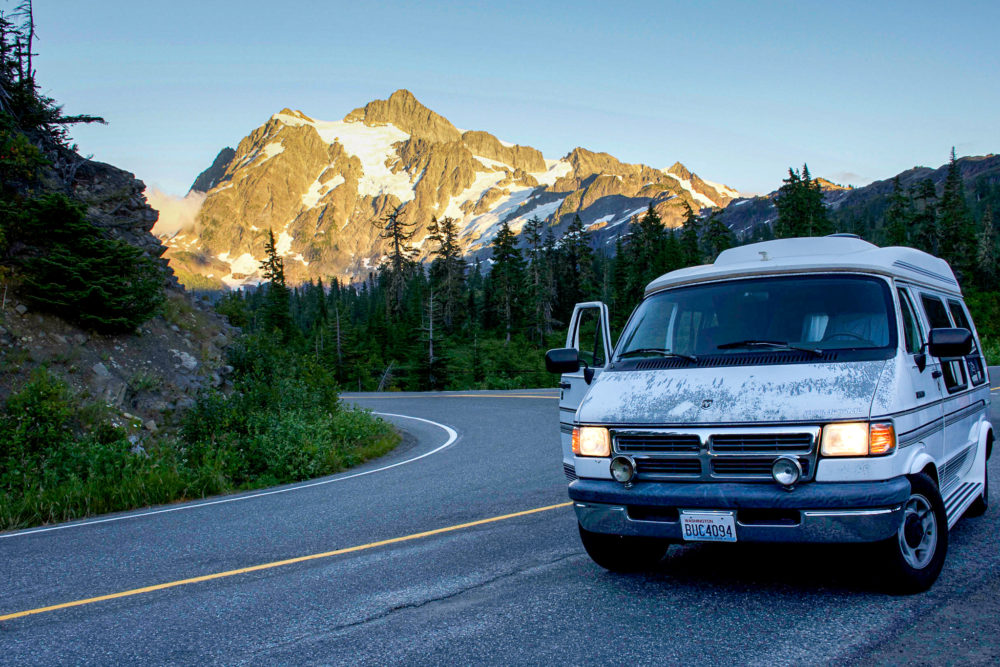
[678,169]
[403,110]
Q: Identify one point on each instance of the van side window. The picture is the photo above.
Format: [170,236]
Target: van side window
[974,360]
[911,328]
[952,369]
[591,339]
[937,316]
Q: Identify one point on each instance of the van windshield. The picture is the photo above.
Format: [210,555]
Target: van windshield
[808,314]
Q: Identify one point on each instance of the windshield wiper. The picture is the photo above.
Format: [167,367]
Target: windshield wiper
[660,351]
[776,344]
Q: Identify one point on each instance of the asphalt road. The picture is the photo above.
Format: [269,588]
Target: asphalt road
[514,590]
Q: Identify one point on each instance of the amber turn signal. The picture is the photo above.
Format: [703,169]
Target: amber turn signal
[881,439]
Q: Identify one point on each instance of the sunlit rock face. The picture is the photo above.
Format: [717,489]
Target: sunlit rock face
[320,186]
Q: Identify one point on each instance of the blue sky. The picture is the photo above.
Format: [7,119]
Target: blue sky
[737,91]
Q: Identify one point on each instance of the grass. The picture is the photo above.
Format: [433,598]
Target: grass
[62,460]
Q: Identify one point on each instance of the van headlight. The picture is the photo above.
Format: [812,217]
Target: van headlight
[591,441]
[857,439]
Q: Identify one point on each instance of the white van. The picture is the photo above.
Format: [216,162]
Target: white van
[799,390]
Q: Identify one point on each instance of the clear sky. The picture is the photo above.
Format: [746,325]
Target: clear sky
[737,91]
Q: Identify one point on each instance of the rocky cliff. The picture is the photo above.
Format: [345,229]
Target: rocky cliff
[146,377]
[320,185]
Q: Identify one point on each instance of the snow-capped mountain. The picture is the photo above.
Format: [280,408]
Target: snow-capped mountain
[320,185]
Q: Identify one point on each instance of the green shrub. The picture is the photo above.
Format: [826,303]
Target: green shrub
[70,269]
[283,422]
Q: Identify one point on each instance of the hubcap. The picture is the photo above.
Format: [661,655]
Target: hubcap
[918,532]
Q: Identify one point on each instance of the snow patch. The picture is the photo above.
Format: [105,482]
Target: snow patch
[373,146]
[283,246]
[318,190]
[686,184]
[556,169]
[723,189]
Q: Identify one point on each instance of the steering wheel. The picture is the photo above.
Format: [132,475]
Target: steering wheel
[845,334]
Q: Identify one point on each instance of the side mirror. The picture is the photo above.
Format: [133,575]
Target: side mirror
[562,360]
[950,342]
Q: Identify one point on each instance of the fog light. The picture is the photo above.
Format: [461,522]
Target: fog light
[786,470]
[623,469]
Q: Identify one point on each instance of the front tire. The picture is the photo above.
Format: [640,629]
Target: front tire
[915,555]
[623,553]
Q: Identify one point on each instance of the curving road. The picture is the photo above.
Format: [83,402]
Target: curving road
[460,547]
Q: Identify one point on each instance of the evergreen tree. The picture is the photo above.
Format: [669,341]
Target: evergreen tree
[648,252]
[397,270]
[447,271]
[277,314]
[575,267]
[801,210]
[718,237]
[541,285]
[898,217]
[987,253]
[690,245]
[955,225]
[69,268]
[507,278]
[925,228]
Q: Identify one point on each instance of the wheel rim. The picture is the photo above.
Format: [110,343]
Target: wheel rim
[918,532]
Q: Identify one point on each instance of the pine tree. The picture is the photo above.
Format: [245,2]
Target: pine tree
[398,233]
[925,234]
[507,278]
[542,290]
[574,267]
[649,251]
[447,271]
[277,314]
[801,210]
[898,217]
[955,224]
[987,252]
[690,245]
[718,237]
[68,267]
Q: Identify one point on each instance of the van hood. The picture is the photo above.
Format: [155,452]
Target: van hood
[733,395]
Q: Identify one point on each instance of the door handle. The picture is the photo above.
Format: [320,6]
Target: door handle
[564,385]
[936,374]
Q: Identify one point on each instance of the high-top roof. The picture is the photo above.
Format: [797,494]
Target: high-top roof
[817,255]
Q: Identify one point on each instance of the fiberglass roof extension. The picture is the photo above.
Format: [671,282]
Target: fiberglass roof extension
[816,255]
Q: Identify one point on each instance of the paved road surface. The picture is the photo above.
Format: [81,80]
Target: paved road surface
[515,590]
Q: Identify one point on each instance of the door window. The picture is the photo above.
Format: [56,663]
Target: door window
[937,316]
[591,338]
[952,369]
[974,360]
[911,327]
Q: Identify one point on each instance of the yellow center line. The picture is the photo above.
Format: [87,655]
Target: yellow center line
[455,396]
[278,563]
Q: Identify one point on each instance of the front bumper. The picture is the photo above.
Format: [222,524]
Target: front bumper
[813,512]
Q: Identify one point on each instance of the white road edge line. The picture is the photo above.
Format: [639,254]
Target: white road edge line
[452,437]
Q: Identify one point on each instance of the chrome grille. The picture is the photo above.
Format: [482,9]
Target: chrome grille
[743,466]
[705,454]
[666,443]
[658,466]
[762,443]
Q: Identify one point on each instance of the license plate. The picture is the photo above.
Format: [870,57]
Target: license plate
[708,527]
